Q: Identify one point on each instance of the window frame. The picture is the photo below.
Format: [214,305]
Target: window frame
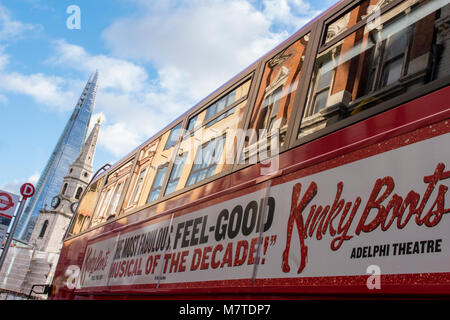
[336,15]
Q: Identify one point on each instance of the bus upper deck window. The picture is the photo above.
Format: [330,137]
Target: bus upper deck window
[112,194]
[392,54]
[275,101]
[135,197]
[217,122]
[86,207]
[159,164]
[365,9]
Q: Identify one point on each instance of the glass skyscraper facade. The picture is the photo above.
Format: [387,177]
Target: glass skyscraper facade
[65,153]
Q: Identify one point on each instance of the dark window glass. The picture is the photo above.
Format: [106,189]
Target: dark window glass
[44,228]
[64,189]
[78,194]
[191,124]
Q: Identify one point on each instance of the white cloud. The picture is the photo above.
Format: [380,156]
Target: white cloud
[198,43]
[4,58]
[117,74]
[291,14]
[10,28]
[118,139]
[49,90]
[14,185]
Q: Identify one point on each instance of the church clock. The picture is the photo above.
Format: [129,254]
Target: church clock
[55,202]
[74,206]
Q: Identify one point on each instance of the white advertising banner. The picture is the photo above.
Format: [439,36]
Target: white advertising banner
[8,204]
[388,209]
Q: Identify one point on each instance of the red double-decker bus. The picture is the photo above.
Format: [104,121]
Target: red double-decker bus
[320,170]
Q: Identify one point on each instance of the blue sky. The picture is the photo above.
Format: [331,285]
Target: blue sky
[156,59]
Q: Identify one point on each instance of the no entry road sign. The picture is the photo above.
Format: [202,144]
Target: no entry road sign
[27,190]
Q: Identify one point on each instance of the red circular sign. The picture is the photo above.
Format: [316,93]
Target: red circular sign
[6,201]
[27,190]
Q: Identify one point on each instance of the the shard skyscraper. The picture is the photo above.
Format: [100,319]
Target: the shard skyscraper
[65,153]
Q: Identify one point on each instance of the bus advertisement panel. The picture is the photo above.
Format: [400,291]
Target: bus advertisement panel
[319,226]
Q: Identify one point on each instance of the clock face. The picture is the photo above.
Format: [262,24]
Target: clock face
[55,201]
[74,206]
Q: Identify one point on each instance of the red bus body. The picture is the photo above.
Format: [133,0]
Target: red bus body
[369,196]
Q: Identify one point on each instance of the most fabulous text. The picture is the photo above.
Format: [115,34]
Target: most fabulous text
[143,253]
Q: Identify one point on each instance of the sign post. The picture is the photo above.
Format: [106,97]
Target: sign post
[27,191]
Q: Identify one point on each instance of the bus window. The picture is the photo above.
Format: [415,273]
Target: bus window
[366,9]
[111,195]
[158,183]
[206,160]
[220,119]
[396,53]
[133,199]
[138,186]
[173,136]
[176,173]
[274,101]
[86,207]
[159,164]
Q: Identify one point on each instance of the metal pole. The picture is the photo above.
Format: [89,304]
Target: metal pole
[11,232]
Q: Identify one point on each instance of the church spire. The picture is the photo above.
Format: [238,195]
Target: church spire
[86,156]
